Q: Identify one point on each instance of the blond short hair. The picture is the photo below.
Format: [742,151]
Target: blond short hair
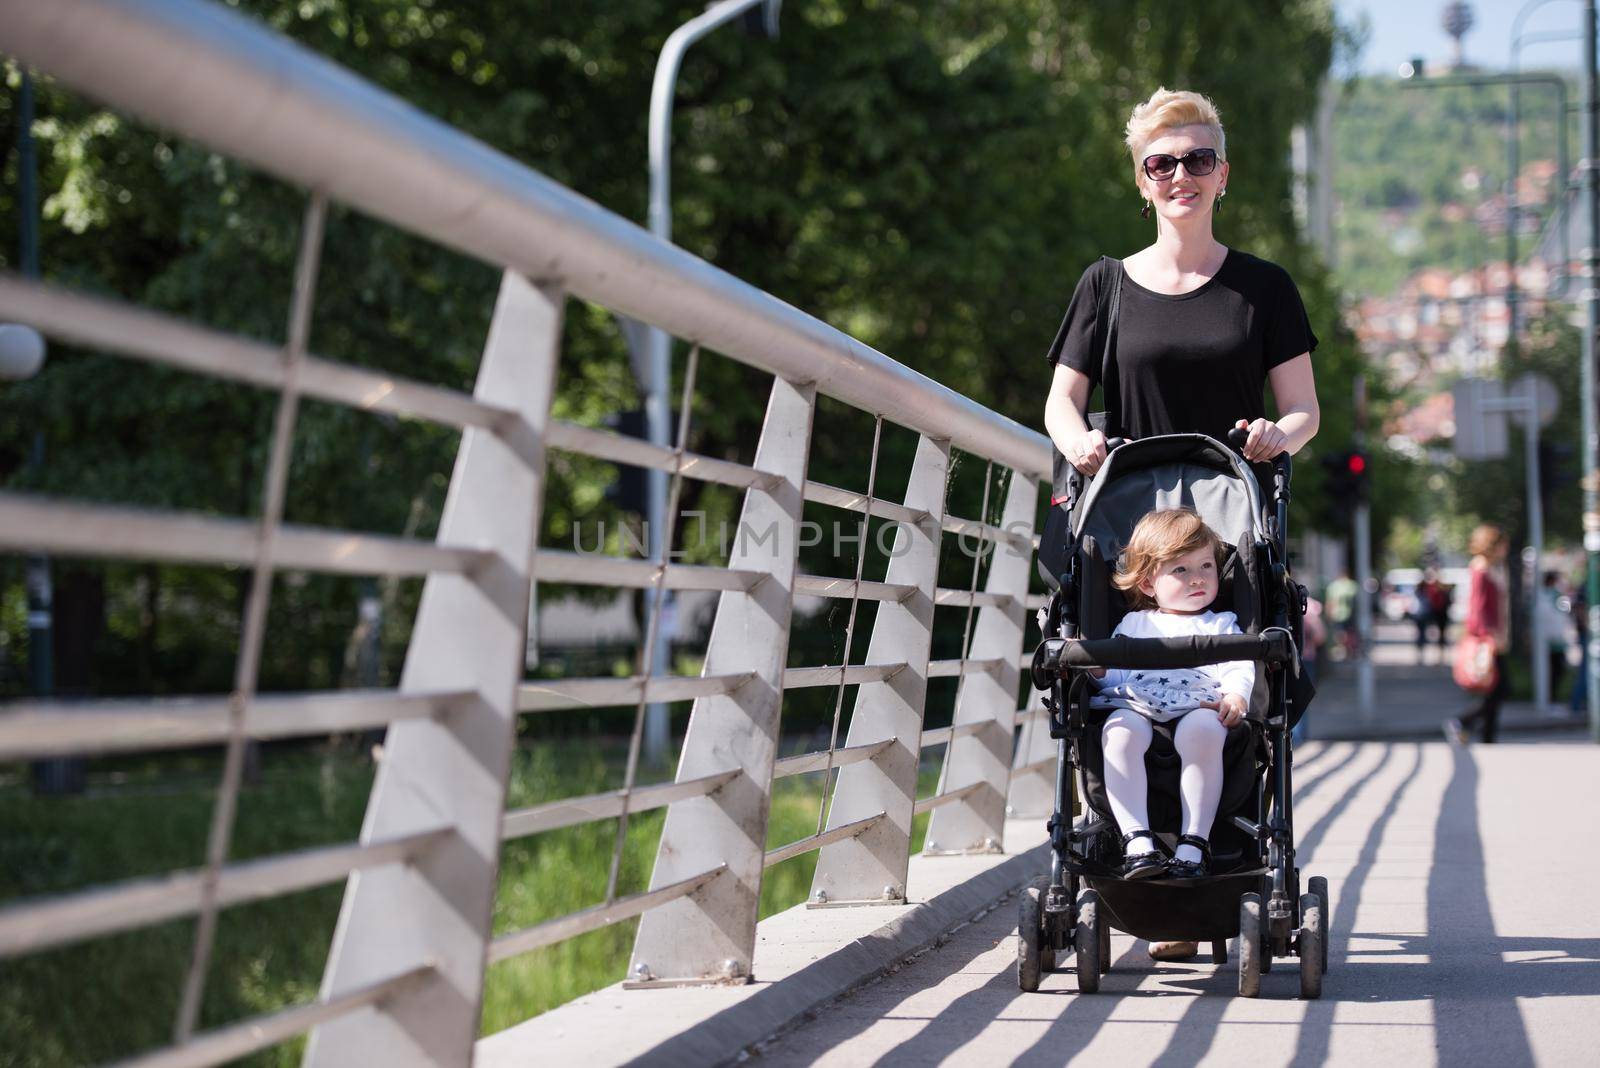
[1170,108]
[1159,537]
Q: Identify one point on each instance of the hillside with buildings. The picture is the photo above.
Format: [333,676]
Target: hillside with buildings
[1420,229]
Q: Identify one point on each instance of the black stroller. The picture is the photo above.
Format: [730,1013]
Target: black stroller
[1254,888]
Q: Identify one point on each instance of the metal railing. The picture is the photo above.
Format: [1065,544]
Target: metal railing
[404,978]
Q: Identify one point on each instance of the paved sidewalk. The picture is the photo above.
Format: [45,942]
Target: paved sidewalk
[1413,700]
[1463,933]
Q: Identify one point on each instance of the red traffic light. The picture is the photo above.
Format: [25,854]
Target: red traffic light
[1357,463]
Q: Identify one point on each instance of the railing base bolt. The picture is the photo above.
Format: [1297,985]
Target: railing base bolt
[891,893]
[822,897]
[732,969]
[641,972]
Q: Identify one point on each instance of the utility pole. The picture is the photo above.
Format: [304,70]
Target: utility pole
[1591,307]
[1366,688]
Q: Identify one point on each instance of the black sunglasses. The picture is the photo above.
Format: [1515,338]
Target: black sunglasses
[1200,161]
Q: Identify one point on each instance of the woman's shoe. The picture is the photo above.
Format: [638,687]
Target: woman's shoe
[1174,950]
[1145,865]
[1191,869]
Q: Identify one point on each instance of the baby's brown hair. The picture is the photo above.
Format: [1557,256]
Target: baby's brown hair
[1159,537]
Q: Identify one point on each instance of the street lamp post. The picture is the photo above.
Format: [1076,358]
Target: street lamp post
[657,364]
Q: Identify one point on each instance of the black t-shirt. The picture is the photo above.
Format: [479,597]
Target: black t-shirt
[1192,363]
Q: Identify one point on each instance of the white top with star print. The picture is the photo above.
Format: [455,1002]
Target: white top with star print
[1166,694]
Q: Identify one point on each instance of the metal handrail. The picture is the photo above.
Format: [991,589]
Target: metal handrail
[262,99]
[251,94]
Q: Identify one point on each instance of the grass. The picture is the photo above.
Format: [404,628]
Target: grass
[116,996]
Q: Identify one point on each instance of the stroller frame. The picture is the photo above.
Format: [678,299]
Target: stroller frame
[1260,897]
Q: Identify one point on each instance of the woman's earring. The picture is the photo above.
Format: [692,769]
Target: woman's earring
[1217,208]
[1144,212]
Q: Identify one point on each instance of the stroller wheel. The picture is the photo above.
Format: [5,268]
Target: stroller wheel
[1034,953]
[1250,945]
[1105,947]
[1087,939]
[1312,936]
[1319,888]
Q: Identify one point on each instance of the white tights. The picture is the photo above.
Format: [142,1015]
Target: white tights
[1199,738]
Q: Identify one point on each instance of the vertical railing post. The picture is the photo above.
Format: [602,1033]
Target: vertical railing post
[1033,777]
[871,867]
[451,772]
[976,822]
[710,935]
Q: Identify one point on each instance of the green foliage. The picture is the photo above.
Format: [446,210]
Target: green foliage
[150,817]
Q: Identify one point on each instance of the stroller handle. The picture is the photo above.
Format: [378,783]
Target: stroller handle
[1054,655]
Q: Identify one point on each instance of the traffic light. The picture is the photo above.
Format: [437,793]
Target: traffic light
[1355,465]
[1344,485]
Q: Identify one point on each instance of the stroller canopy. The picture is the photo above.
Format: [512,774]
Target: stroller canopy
[1171,471]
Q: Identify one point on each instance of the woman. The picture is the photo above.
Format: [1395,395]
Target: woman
[1202,329]
[1486,618]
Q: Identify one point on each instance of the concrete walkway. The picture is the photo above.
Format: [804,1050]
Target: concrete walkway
[1464,932]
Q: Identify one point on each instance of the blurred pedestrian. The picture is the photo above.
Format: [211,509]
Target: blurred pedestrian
[1432,612]
[1315,635]
[1553,607]
[1340,598]
[1486,632]
[1580,623]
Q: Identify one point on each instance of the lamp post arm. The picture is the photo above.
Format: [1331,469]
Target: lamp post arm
[661,98]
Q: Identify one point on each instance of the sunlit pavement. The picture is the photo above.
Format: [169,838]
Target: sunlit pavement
[1465,931]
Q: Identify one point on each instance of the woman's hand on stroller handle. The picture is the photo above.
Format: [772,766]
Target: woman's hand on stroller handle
[1087,451]
[1258,440]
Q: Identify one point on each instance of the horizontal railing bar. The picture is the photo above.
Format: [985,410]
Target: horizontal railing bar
[817,761]
[33,729]
[954,524]
[928,804]
[801,677]
[76,529]
[939,669]
[547,695]
[571,811]
[827,586]
[1036,601]
[29,926]
[940,735]
[945,597]
[817,841]
[822,493]
[593,569]
[260,98]
[262,1032]
[577,923]
[622,449]
[127,330]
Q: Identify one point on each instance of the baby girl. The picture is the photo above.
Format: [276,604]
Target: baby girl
[1170,573]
